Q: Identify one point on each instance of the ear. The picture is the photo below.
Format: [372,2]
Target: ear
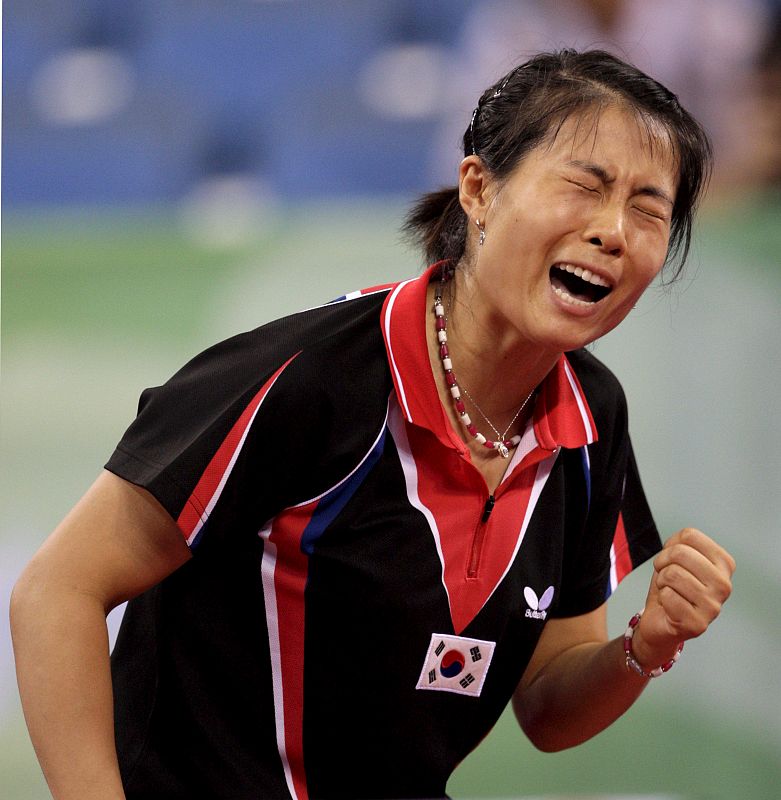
[474,181]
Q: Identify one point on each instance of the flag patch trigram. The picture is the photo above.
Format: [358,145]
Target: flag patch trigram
[456,664]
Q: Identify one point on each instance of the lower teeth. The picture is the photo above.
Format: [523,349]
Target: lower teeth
[568,298]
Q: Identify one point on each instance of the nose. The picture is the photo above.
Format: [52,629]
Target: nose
[605,229]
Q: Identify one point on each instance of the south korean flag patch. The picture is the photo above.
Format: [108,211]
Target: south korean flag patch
[455,664]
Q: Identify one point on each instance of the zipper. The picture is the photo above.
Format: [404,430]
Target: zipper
[479,538]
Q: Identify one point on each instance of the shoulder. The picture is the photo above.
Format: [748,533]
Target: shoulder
[295,366]
[321,327]
[338,357]
[602,388]
[246,359]
[605,397]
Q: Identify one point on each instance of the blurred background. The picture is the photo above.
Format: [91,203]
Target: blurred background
[174,172]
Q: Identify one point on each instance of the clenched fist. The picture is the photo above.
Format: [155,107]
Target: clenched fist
[691,581]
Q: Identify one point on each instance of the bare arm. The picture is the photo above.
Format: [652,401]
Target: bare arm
[577,682]
[117,542]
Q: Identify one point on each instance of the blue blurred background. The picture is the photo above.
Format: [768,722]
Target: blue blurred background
[174,172]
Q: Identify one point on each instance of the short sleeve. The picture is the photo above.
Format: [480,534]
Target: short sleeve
[191,435]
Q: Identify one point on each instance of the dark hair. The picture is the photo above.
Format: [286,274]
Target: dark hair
[530,104]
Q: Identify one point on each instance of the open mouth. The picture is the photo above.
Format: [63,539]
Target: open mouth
[577,285]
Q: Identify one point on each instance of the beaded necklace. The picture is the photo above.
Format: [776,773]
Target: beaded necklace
[502,445]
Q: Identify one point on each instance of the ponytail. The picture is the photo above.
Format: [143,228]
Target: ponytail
[437,224]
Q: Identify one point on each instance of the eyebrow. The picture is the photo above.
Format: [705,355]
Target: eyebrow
[604,176]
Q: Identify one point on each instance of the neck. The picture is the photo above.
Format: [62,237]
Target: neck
[498,367]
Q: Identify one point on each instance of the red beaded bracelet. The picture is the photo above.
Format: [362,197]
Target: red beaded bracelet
[633,664]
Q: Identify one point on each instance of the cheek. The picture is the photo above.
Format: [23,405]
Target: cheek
[654,267]
[650,269]
[535,220]
[642,281]
[564,214]
[650,254]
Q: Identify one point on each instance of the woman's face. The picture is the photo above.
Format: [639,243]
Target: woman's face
[576,233]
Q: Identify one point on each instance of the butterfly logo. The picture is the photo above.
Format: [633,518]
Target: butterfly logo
[538,609]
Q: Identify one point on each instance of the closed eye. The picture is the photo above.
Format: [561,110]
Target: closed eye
[654,214]
[593,189]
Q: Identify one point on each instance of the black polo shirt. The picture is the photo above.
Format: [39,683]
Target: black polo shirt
[353,622]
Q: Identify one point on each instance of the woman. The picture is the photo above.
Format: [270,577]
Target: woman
[353,535]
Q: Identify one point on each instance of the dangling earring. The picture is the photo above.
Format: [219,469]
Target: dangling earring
[481,228]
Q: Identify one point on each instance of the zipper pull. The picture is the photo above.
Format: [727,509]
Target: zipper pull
[489,507]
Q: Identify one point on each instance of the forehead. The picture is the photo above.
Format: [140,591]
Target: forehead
[616,137]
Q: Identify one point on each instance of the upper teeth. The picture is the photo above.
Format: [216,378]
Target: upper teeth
[584,274]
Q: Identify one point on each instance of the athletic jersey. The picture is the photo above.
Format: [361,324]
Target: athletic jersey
[358,609]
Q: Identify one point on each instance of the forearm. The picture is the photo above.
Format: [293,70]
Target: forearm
[577,694]
[117,542]
[62,661]
[577,683]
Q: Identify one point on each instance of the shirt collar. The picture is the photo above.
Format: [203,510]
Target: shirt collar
[562,417]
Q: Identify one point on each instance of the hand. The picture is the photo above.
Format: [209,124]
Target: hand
[691,582]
